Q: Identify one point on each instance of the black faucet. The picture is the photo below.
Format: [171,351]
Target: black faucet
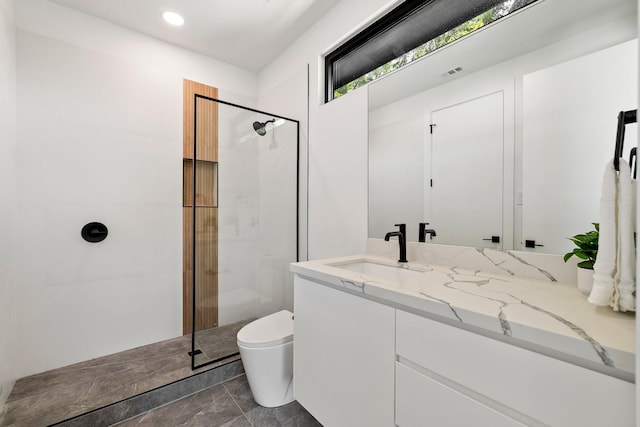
[402,240]
[422,232]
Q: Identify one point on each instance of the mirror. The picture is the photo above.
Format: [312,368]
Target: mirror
[511,148]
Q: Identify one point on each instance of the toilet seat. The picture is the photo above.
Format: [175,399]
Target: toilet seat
[268,331]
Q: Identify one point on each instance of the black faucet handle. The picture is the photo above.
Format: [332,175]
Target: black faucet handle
[421,231]
[403,228]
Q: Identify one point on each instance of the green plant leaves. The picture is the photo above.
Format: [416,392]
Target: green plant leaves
[587,247]
[586,264]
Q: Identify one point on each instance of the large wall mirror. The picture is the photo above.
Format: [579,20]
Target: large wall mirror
[513,145]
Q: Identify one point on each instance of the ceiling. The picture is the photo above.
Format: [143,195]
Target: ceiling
[245,33]
[251,33]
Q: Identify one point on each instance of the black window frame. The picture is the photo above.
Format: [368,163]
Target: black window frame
[449,14]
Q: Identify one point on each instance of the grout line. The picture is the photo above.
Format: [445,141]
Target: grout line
[142,415]
[234,400]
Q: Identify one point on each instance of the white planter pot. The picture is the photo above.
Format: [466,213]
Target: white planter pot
[585,280]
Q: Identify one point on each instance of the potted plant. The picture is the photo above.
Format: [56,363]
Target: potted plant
[587,251]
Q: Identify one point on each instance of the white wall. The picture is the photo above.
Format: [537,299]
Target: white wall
[100,139]
[337,132]
[8,339]
[569,128]
[397,176]
[338,177]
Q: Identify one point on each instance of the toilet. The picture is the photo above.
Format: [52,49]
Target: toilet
[266,350]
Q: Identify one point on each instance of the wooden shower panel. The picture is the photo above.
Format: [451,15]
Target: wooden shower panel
[206,222]
[207,121]
[207,268]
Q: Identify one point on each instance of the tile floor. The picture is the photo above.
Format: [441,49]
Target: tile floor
[229,404]
[142,403]
[62,393]
[137,378]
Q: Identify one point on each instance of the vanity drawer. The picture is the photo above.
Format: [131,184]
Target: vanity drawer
[421,400]
[552,391]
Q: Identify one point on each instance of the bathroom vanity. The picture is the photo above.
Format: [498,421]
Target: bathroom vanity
[382,343]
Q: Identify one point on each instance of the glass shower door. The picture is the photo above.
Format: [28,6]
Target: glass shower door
[245,218]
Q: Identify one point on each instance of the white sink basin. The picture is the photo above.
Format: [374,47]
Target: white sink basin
[383,271]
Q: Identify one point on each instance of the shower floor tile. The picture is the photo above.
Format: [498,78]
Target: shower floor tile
[53,396]
[218,342]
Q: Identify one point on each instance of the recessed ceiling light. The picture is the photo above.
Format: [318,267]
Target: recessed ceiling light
[173,18]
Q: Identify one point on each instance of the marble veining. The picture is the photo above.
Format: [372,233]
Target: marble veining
[544,272]
[502,317]
[544,311]
[602,352]
[504,323]
[532,265]
[448,304]
[512,271]
[354,285]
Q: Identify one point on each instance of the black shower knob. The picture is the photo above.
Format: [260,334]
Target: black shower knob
[94,232]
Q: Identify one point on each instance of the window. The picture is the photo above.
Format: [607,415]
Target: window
[410,31]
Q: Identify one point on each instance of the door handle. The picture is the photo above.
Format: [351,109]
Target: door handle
[530,244]
[494,239]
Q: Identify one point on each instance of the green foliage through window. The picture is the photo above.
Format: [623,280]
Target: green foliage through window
[444,39]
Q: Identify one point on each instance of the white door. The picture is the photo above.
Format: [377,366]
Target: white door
[466,172]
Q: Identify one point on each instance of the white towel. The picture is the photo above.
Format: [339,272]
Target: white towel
[623,298]
[605,265]
[614,269]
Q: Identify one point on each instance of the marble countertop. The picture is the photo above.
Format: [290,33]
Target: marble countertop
[552,318]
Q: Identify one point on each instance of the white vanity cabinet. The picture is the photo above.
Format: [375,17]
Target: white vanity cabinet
[344,353]
[498,381]
[359,362]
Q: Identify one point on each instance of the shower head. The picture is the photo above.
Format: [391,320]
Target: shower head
[261,128]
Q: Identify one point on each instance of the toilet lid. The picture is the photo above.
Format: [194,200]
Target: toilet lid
[274,329]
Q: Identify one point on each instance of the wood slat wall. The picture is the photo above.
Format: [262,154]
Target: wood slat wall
[207,267]
[207,121]
[206,183]
[206,261]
